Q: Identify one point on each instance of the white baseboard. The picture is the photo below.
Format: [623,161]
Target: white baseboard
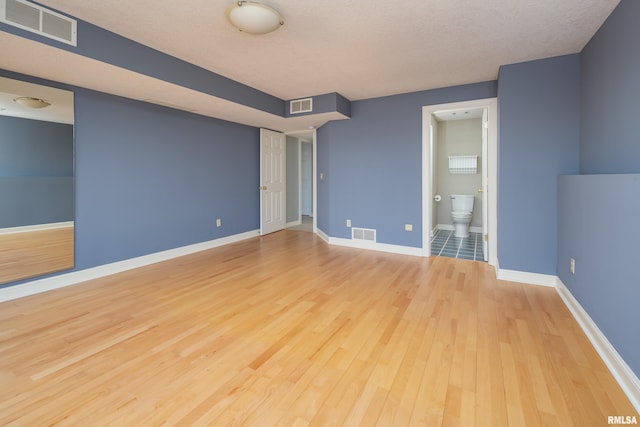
[450,227]
[324,236]
[627,379]
[75,277]
[447,227]
[293,223]
[375,246]
[525,277]
[36,227]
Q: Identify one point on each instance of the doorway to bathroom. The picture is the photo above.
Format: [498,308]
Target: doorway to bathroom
[459,158]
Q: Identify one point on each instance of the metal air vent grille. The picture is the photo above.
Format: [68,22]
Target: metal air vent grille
[39,20]
[301,106]
[367,234]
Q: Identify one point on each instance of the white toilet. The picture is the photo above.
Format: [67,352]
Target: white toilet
[461,211]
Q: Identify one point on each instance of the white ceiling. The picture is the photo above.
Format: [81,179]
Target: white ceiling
[360,48]
[464,114]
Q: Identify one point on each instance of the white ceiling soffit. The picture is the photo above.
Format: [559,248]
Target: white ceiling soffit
[55,64]
[465,114]
[60,110]
[360,49]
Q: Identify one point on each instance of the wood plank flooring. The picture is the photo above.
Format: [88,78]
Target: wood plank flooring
[286,330]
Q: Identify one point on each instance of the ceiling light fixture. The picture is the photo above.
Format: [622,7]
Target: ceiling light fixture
[29,102]
[254,18]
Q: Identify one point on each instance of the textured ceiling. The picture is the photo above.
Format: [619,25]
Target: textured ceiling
[360,49]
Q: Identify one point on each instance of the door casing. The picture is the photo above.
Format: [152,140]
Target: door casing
[491,104]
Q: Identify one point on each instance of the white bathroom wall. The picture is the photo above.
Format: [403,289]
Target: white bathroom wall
[458,138]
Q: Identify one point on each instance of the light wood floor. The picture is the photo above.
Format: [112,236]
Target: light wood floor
[33,253]
[286,330]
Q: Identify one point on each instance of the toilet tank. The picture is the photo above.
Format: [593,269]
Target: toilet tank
[462,202]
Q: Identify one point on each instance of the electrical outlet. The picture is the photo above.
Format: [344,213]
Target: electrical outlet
[348,223]
[408,227]
[572,265]
[218,222]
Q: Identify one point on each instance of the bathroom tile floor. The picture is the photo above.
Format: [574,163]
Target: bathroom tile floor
[445,243]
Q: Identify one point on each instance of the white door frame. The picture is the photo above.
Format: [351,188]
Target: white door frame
[492,186]
[305,134]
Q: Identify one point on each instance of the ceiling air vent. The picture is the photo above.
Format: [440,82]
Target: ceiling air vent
[39,20]
[301,106]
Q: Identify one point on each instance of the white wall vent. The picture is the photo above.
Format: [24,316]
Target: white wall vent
[301,106]
[39,20]
[367,234]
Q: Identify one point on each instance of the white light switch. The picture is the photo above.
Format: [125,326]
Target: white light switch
[348,223]
[408,227]
[218,222]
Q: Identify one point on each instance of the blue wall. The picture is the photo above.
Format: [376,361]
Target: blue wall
[598,217]
[149,178]
[372,164]
[610,93]
[36,172]
[598,214]
[539,135]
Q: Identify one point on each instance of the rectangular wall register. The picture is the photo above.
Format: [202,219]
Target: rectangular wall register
[298,106]
[40,20]
[367,234]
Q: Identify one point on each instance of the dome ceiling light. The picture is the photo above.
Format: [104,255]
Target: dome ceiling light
[29,102]
[254,18]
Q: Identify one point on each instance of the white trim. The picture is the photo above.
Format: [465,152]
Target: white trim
[293,223]
[627,379]
[526,277]
[75,277]
[450,227]
[427,200]
[36,227]
[324,236]
[375,246]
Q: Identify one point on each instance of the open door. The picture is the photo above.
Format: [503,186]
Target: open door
[485,183]
[272,181]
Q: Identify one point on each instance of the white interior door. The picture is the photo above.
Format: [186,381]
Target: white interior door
[485,182]
[272,181]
